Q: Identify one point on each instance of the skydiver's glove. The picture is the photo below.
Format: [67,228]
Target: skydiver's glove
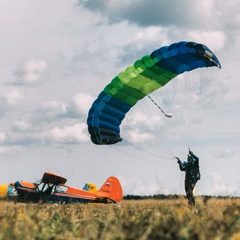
[178,160]
[190,152]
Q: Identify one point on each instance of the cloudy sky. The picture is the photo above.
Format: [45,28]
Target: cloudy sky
[57,56]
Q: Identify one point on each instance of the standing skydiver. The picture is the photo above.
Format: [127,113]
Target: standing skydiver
[192,175]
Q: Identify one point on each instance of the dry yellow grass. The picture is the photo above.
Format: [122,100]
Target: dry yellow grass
[130,219]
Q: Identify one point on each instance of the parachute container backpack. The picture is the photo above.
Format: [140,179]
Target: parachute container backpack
[140,79]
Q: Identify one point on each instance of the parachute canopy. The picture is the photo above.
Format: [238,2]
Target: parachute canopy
[140,79]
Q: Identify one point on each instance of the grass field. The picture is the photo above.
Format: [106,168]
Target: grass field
[130,219]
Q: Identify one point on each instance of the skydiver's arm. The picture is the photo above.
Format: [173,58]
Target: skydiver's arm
[194,157]
[182,168]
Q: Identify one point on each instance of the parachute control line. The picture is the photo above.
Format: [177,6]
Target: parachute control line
[169,115]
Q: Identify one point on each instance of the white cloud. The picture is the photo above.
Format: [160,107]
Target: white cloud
[81,103]
[10,149]
[53,108]
[184,14]
[2,136]
[133,186]
[215,40]
[49,111]
[219,185]
[14,96]
[226,153]
[228,15]
[135,136]
[23,124]
[138,127]
[144,118]
[149,36]
[31,71]
[67,134]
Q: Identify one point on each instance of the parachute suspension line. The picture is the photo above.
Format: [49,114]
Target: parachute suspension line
[169,115]
[147,143]
[182,130]
[205,99]
[164,158]
[169,100]
[194,81]
[187,88]
[184,106]
[165,97]
[154,150]
[193,116]
[193,110]
[197,112]
[144,150]
[164,146]
[156,145]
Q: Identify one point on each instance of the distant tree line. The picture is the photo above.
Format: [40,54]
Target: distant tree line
[172,196]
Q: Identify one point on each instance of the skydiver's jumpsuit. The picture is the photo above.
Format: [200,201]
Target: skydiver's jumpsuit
[191,177]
